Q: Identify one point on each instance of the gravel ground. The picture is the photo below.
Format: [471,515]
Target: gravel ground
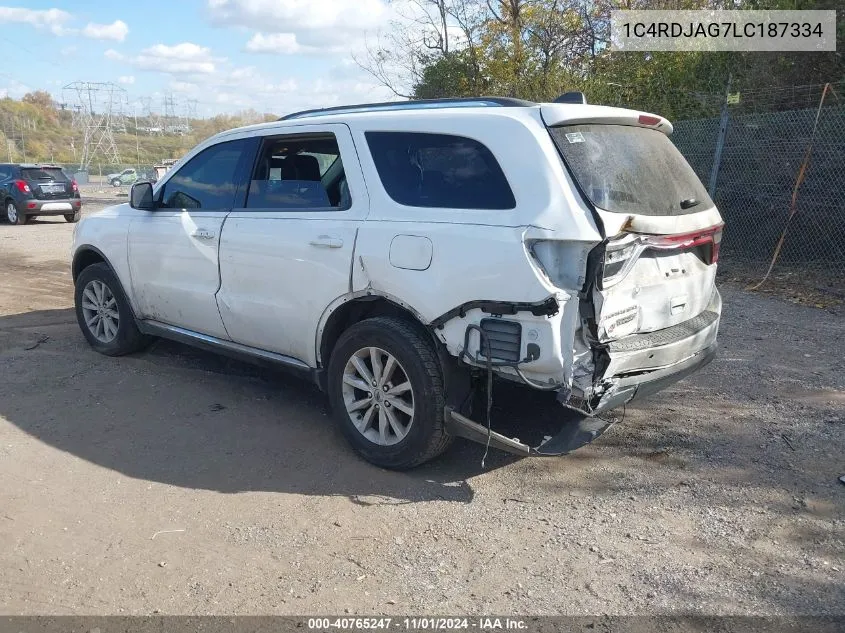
[174,481]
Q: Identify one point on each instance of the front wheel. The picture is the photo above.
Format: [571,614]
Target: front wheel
[386,391]
[13,216]
[115,183]
[104,314]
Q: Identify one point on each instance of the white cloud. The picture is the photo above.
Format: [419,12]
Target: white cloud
[116,31]
[184,58]
[127,80]
[288,44]
[53,19]
[184,87]
[301,26]
[277,16]
[246,87]
[281,43]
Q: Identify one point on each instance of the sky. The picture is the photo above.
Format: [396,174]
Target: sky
[219,56]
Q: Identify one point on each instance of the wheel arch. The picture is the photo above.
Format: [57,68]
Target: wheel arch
[355,307]
[87,255]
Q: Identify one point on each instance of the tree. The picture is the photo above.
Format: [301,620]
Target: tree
[40,98]
[428,33]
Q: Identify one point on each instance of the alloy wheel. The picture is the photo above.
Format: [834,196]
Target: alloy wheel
[378,396]
[99,307]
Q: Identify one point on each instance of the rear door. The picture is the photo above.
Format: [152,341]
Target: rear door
[173,250]
[286,253]
[659,263]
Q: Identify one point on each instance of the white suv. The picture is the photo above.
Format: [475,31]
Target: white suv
[401,254]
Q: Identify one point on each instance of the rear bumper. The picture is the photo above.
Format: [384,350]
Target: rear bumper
[628,388]
[50,207]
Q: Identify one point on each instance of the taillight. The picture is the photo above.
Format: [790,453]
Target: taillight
[711,237]
[617,256]
[22,186]
[717,245]
[622,253]
[74,186]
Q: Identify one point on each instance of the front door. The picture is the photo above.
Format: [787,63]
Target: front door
[173,250]
[287,253]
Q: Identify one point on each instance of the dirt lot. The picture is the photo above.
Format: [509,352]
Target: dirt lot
[177,482]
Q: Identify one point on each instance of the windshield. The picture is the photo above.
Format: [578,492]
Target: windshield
[43,173]
[627,169]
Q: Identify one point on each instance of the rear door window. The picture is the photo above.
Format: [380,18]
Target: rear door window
[627,169]
[439,170]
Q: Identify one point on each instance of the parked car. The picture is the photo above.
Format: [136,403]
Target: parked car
[29,190]
[126,177]
[402,254]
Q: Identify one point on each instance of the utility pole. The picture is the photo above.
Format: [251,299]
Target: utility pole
[720,143]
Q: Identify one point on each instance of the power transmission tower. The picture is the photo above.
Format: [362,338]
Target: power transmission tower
[170,119]
[190,113]
[98,112]
[154,123]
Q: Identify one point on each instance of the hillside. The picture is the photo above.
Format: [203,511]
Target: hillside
[35,130]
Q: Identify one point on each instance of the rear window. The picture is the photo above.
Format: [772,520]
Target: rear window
[43,173]
[439,170]
[626,169]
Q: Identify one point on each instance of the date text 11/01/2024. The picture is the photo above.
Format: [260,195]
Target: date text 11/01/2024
[417,624]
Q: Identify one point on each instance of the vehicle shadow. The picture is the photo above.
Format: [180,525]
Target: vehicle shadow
[181,416]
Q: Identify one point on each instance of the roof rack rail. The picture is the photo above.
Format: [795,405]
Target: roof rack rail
[416,104]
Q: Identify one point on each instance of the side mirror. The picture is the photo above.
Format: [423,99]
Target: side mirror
[141,196]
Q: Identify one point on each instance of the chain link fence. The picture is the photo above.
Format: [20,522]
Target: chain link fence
[765,140]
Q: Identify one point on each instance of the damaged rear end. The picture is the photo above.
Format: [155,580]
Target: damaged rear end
[649,310]
[635,306]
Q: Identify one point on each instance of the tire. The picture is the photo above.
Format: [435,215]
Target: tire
[416,363]
[127,338]
[13,216]
[73,217]
[115,183]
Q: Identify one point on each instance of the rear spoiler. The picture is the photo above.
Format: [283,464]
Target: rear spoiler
[555,114]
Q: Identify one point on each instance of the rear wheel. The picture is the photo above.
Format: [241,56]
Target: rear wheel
[386,391]
[13,215]
[104,314]
[73,217]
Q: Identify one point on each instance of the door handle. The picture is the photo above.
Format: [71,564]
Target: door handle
[326,241]
[203,234]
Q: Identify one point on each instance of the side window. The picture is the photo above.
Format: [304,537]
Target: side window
[299,172]
[439,170]
[207,181]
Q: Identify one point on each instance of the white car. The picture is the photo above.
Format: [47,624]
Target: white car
[402,254]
